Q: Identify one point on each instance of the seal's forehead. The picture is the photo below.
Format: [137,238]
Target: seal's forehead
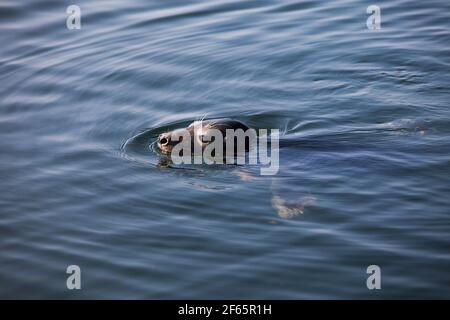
[179,132]
[220,124]
[199,127]
[196,123]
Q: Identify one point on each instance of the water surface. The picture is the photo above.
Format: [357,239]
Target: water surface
[365,150]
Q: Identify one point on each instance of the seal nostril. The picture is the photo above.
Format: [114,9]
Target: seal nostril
[163,141]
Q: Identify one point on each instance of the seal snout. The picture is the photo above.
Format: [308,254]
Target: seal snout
[164,139]
[165,142]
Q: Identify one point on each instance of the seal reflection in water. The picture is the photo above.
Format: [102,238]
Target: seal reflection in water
[198,130]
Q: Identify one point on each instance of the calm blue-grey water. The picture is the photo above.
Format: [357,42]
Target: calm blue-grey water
[365,149]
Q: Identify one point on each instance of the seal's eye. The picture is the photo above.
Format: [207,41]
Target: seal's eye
[206,139]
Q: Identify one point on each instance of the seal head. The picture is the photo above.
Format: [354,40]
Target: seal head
[197,131]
